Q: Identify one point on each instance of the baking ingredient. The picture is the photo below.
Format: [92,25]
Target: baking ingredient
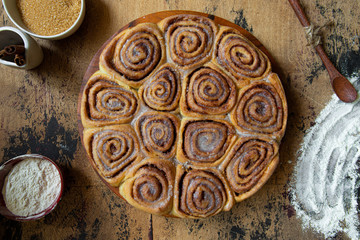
[14,53]
[325,182]
[49,17]
[31,187]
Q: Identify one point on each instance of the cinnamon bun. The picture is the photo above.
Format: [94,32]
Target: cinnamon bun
[114,150]
[204,142]
[162,91]
[207,91]
[158,133]
[133,54]
[149,186]
[261,109]
[201,193]
[249,165]
[189,39]
[104,102]
[240,57]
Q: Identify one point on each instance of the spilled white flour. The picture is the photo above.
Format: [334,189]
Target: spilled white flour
[325,181]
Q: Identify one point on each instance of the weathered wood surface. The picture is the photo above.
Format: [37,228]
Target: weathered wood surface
[38,115]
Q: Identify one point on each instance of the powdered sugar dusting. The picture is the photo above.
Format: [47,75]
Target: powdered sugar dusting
[325,180]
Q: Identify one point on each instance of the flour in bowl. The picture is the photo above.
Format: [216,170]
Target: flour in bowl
[325,181]
[31,187]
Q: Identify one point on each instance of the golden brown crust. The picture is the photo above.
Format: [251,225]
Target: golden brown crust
[250,164]
[150,186]
[189,39]
[240,57]
[201,193]
[133,54]
[207,91]
[158,133]
[114,150]
[184,117]
[204,142]
[104,102]
[162,91]
[274,79]
[261,110]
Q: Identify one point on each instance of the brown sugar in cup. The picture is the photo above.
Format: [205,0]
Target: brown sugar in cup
[40,19]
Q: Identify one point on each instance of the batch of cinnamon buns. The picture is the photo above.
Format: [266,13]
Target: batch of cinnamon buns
[184,117]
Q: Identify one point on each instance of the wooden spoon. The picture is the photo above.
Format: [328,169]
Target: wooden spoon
[342,87]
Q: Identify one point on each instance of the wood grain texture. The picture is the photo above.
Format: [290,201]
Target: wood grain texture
[38,115]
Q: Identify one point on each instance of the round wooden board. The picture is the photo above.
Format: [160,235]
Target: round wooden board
[154,18]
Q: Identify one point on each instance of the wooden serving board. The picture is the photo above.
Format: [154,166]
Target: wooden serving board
[155,18]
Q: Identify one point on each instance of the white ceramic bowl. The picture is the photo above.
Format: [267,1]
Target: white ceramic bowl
[13,13]
[33,52]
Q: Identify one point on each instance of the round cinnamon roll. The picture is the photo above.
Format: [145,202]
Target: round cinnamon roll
[150,185]
[114,149]
[104,102]
[239,56]
[162,91]
[158,133]
[207,90]
[189,39]
[250,164]
[201,193]
[134,54]
[204,142]
[260,110]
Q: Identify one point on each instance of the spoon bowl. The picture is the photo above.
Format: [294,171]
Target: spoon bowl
[344,89]
[340,84]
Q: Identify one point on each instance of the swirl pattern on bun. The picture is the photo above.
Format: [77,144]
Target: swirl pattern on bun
[162,91]
[150,186]
[204,142]
[105,102]
[207,90]
[249,163]
[201,193]
[261,109]
[189,39]
[114,150]
[240,57]
[133,54]
[158,133]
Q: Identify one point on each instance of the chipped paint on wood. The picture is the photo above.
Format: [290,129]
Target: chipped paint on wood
[38,114]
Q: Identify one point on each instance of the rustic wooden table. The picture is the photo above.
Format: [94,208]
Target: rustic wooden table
[38,115]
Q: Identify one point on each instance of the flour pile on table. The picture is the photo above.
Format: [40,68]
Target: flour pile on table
[325,181]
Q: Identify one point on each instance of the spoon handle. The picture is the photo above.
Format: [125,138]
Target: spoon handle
[295,4]
[333,72]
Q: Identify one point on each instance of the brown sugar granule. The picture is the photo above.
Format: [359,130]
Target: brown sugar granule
[49,17]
